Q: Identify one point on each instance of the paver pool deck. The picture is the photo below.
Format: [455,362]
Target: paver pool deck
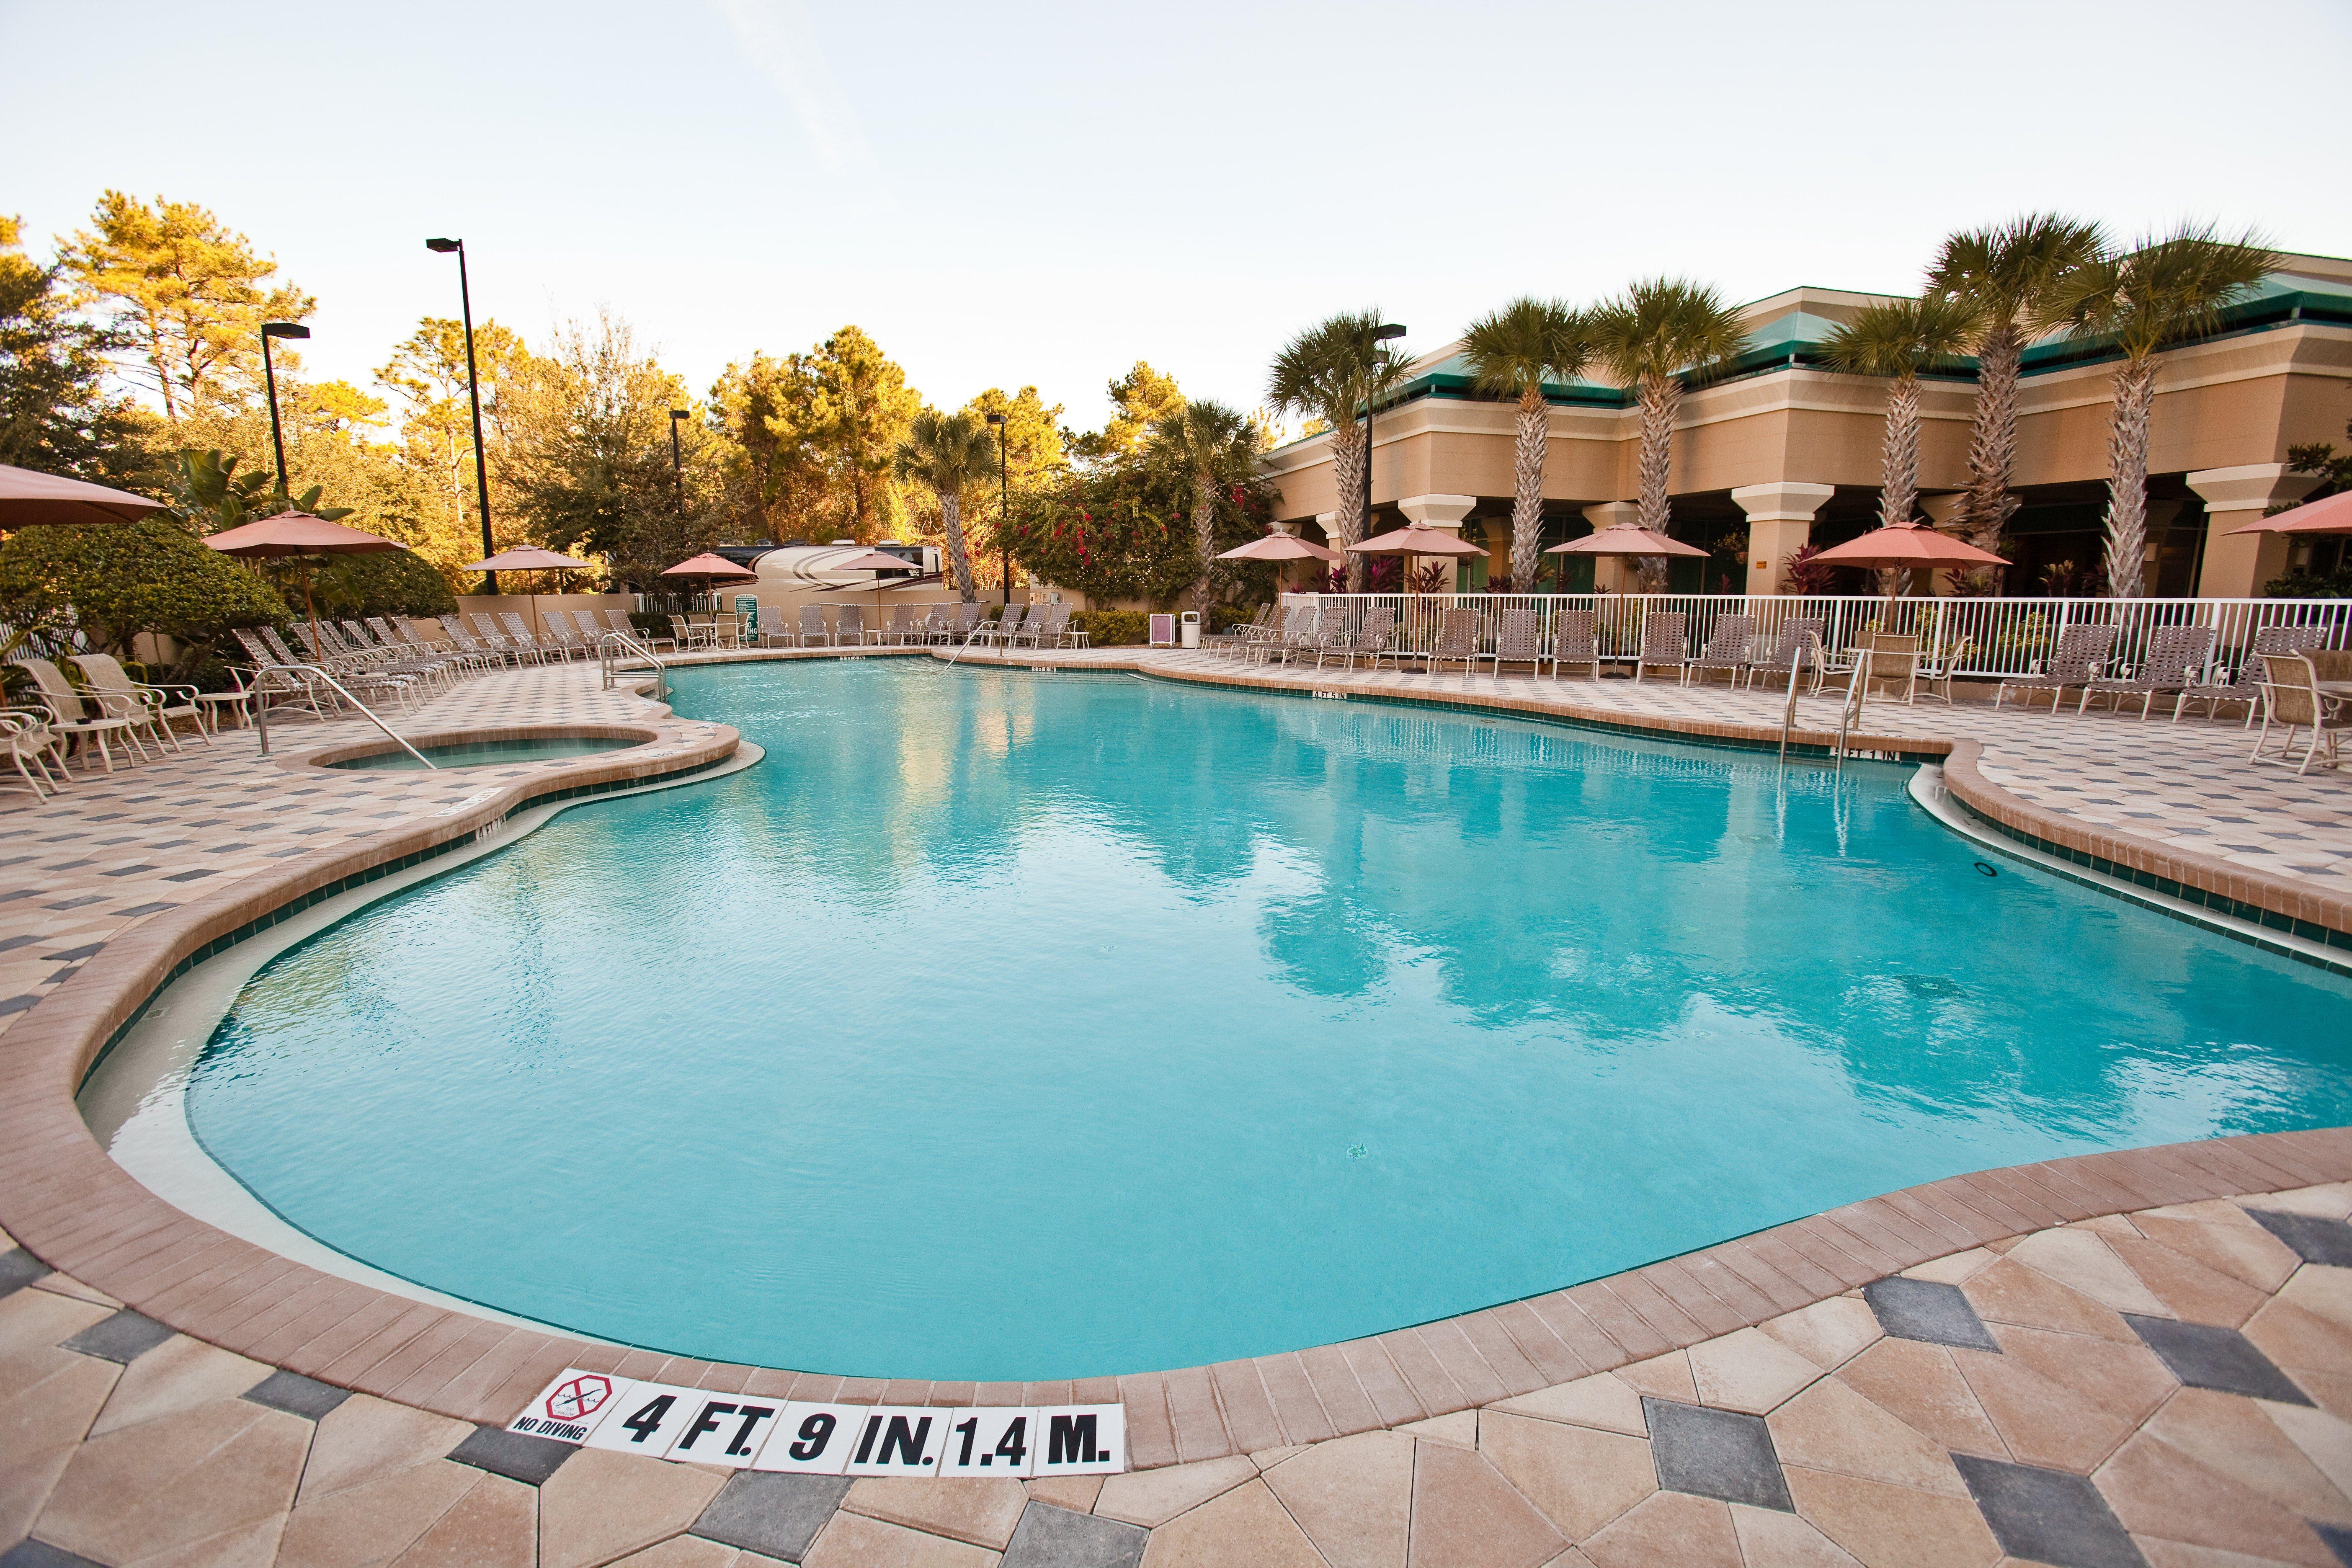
[2143,1356]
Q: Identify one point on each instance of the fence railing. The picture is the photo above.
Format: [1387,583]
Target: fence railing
[2005,637]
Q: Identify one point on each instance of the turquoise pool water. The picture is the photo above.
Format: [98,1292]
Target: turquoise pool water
[1000,1025]
[489,753]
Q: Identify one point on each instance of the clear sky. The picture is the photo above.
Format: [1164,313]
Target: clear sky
[1021,192]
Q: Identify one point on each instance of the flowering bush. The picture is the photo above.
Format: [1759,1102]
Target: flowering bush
[1125,532]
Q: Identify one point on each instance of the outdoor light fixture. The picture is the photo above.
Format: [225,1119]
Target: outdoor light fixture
[1003,507]
[270,377]
[1385,332]
[473,396]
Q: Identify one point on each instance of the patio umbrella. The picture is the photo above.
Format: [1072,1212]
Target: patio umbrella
[1281,547]
[875,562]
[531,558]
[2329,514]
[28,497]
[298,533]
[712,569]
[1416,540]
[1904,545]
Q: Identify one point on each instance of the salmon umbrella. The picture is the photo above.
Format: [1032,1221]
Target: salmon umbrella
[875,562]
[1281,547]
[28,497]
[713,569]
[2329,514]
[531,558]
[298,533]
[1905,545]
[1416,540]
[1624,538]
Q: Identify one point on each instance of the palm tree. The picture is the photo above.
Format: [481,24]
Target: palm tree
[950,453]
[2009,273]
[1660,331]
[1211,445]
[1332,372]
[2160,293]
[1897,338]
[1513,352]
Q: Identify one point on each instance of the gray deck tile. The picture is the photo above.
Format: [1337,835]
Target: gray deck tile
[2048,1516]
[124,1337]
[1718,1454]
[774,1514]
[1050,1537]
[2203,1355]
[1928,1309]
[2315,1237]
[516,1455]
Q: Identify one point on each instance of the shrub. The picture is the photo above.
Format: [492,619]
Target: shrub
[1113,628]
[392,583]
[2310,585]
[1225,617]
[115,580]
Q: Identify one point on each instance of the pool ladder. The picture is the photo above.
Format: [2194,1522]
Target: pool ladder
[1857,683]
[609,654]
[261,709]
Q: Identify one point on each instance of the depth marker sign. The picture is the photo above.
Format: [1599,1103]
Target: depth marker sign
[702,1426]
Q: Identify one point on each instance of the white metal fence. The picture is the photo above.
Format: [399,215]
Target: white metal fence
[2005,637]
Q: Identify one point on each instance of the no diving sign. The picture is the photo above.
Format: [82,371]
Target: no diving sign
[699,1426]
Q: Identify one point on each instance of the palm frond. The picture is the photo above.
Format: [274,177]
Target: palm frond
[1663,327]
[2008,270]
[1896,338]
[2163,291]
[1514,349]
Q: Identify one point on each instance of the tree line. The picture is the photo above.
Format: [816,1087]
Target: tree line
[1989,293]
[132,357]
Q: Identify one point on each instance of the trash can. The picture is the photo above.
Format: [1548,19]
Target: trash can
[1189,629]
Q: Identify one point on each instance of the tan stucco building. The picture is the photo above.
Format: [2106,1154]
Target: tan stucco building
[1779,451]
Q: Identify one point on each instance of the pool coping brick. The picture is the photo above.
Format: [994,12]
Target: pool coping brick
[71,1208]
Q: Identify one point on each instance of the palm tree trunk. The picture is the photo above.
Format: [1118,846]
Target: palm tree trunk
[1527,499]
[1347,465]
[1899,486]
[1661,398]
[1992,449]
[2127,479]
[952,524]
[1205,534]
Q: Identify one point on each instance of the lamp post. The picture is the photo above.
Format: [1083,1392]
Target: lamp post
[473,396]
[676,460]
[1379,335]
[1004,506]
[269,378]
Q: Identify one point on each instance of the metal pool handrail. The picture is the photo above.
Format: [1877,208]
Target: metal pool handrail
[261,713]
[1810,648]
[604,660]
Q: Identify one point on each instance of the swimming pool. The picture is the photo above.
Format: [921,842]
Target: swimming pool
[1001,1026]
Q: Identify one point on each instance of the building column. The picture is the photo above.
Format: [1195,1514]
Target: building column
[1442,513]
[2237,566]
[1943,517]
[1611,573]
[1779,523]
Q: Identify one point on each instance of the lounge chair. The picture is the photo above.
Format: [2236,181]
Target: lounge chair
[2174,656]
[1575,639]
[1665,642]
[968,620]
[71,719]
[2081,654]
[1047,625]
[1297,636]
[902,627]
[33,744]
[850,631]
[1008,624]
[1231,639]
[1518,639]
[1730,647]
[813,633]
[2246,685]
[1775,666]
[1370,638]
[150,709]
[497,641]
[2292,697]
[393,654]
[1457,640]
[522,637]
